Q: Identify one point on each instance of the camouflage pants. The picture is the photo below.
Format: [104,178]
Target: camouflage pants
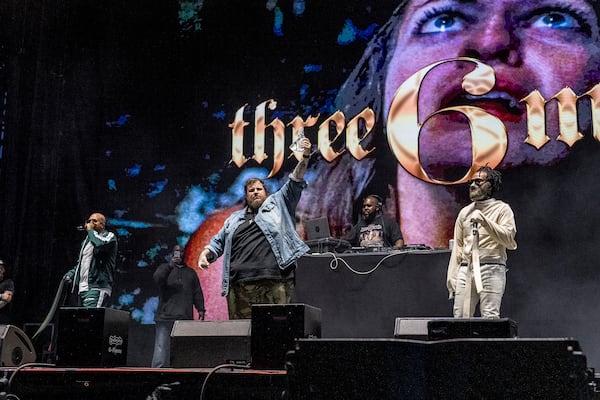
[243,294]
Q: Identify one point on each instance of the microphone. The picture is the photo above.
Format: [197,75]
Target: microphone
[80,227]
[474,225]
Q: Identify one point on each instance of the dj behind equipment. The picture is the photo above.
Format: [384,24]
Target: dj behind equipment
[375,229]
[374,232]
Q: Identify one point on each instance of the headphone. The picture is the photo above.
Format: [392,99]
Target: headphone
[379,200]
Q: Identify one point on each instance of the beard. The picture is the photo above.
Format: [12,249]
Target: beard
[479,195]
[369,217]
[255,204]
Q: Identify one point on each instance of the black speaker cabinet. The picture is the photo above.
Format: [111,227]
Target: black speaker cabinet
[206,344]
[454,328]
[92,337]
[16,349]
[459,328]
[413,328]
[457,369]
[275,328]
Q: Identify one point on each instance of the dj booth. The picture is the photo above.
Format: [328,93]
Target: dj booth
[360,294]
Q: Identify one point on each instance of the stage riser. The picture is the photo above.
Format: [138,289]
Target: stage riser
[351,369]
[450,369]
[110,383]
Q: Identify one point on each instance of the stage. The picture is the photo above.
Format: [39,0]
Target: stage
[361,294]
[372,342]
[344,369]
[142,383]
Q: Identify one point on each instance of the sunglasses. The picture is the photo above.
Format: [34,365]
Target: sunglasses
[92,220]
[478,182]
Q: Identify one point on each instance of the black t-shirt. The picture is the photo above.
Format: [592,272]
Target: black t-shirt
[251,255]
[382,231]
[5,285]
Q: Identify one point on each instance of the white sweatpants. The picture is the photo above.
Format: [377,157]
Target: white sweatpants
[493,278]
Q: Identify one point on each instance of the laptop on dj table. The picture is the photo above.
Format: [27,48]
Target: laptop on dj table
[318,237]
[317,228]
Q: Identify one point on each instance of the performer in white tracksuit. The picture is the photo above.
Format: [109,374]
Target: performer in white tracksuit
[483,231]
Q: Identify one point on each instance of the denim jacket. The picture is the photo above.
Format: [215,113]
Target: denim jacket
[276,219]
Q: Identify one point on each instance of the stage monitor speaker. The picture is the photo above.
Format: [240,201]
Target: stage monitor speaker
[206,344]
[459,328]
[16,349]
[92,337]
[275,328]
[454,328]
[413,328]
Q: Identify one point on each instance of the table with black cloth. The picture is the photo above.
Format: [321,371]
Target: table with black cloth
[361,294]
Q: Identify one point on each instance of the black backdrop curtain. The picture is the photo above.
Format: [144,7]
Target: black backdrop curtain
[56,66]
[46,165]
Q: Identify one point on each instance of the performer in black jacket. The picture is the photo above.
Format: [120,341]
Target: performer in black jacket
[179,291]
[7,288]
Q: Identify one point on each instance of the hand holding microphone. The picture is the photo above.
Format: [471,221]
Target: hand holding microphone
[85,226]
[474,228]
[477,219]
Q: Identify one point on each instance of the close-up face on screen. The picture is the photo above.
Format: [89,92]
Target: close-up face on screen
[535,48]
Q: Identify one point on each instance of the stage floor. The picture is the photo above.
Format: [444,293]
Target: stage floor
[126,383]
[341,369]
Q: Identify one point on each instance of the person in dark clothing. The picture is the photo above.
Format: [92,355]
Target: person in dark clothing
[374,228]
[7,288]
[93,275]
[179,292]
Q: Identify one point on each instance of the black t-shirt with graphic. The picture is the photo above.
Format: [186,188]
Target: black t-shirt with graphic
[382,231]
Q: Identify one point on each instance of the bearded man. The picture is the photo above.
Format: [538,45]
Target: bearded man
[260,245]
